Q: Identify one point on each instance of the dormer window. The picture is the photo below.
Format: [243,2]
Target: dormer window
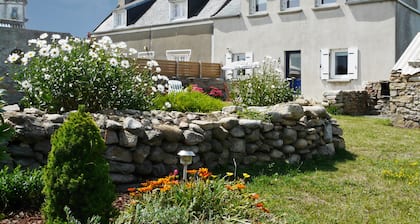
[120,18]
[178,9]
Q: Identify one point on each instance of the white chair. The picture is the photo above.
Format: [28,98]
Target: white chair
[175,86]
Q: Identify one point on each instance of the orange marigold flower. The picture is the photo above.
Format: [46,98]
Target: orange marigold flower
[240,186]
[145,189]
[131,189]
[165,188]
[204,173]
[265,210]
[229,187]
[189,185]
[255,196]
[192,172]
[260,205]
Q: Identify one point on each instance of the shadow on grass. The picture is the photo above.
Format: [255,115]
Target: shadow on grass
[283,168]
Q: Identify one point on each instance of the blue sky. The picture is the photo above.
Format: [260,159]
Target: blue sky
[77,17]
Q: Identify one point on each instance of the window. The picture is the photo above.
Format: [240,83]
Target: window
[178,55]
[293,69]
[239,63]
[14,13]
[178,9]
[287,4]
[120,18]
[339,64]
[258,6]
[324,2]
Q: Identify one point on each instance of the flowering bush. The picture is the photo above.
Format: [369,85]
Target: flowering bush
[204,198]
[216,92]
[264,87]
[61,73]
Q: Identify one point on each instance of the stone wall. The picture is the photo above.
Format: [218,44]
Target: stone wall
[347,102]
[144,145]
[405,100]
[378,101]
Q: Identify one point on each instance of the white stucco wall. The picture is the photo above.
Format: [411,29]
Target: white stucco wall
[369,27]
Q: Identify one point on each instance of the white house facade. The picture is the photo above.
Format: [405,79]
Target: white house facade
[321,44]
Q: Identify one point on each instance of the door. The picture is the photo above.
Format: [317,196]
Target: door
[293,69]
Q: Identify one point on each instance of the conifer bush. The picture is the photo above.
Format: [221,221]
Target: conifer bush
[76,174]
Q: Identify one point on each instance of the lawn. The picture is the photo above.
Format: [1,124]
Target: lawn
[376,180]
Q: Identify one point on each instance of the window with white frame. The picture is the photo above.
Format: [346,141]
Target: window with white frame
[120,18]
[178,9]
[289,4]
[257,6]
[324,2]
[239,63]
[339,64]
[178,55]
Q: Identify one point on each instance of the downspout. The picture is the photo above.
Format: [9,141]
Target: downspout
[409,6]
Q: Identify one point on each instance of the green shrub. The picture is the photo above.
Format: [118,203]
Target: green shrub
[76,174]
[20,189]
[188,102]
[6,130]
[263,88]
[59,74]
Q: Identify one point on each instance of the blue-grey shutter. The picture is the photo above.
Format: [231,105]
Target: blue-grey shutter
[325,64]
[352,62]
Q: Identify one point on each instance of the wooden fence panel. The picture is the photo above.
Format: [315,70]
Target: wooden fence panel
[185,69]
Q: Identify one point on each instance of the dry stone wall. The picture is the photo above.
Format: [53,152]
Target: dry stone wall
[405,100]
[145,144]
[347,102]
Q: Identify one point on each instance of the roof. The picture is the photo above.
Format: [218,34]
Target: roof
[147,13]
[409,62]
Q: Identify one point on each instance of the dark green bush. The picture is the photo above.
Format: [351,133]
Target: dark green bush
[188,102]
[76,174]
[20,189]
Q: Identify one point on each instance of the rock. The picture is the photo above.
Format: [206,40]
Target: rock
[21,150]
[11,108]
[33,111]
[216,146]
[275,117]
[288,149]
[204,147]
[301,144]
[262,157]
[153,137]
[337,131]
[328,132]
[184,125]
[39,157]
[134,126]
[193,148]
[327,150]
[141,153]
[55,118]
[43,146]
[266,127]
[196,128]
[171,133]
[293,159]
[237,132]
[315,123]
[276,154]
[251,124]
[206,125]
[100,120]
[210,157]
[220,133]
[122,168]
[50,127]
[110,137]
[302,102]
[122,178]
[316,111]
[253,136]
[127,139]
[169,159]
[113,125]
[192,137]
[249,160]
[232,109]
[119,154]
[27,162]
[272,135]
[159,170]
[339,143]
[288,111]
[312,137]
[170,147]
[251,148]
[276,143]
[229,122]
[145,168]
[156,155]
[289,135]
[238,145]
[208,135]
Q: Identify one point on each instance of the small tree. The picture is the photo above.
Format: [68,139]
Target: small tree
[76,174]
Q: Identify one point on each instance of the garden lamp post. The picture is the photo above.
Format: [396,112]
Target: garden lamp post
[185,158]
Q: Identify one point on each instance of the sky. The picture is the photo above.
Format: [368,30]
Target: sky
[77,17]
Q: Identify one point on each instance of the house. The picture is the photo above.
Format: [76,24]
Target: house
[321,44]
[12,13]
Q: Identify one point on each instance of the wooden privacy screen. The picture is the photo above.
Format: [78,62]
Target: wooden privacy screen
[185,69]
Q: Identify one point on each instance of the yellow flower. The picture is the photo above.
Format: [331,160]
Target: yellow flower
[246,175]
[229,174]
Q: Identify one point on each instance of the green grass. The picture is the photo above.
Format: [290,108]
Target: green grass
[376,180]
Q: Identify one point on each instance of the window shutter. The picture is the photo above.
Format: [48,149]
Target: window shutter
[283,4]
[249,58]
[228,58]
[352,63]
[325,63]
[252,8]
[317,3]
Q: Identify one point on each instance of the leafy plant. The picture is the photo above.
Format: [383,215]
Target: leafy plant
[263,88]
[76,174]
[59,74]
[20,189]
[331,109]
[188,101]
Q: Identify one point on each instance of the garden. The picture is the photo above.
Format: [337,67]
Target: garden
[80,78]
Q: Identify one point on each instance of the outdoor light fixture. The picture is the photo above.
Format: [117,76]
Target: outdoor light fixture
[185,158]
